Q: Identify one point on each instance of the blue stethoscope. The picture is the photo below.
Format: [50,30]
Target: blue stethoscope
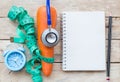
[50,36]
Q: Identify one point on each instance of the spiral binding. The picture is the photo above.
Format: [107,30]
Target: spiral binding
[64,40]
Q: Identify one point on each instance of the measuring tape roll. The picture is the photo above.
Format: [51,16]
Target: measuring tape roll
[26,23]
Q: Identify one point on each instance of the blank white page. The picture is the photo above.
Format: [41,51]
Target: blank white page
[83,41]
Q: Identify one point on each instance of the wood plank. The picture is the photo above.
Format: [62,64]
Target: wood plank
[59,76]
[115,28]
[64,5]
[115,54]
[4,43]
[8,28]
[115,50]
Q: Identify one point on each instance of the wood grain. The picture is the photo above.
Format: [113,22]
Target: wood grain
[115,54]
[115,28]
[64,5]
[59,76]
[8,28]
[4,43]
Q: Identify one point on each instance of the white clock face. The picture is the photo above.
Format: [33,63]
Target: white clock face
[15,60]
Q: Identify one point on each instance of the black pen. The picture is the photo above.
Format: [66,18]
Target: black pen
[109,47]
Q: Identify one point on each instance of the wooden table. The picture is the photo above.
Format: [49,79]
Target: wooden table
[7,29]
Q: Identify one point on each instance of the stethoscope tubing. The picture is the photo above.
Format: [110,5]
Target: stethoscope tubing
[48,12]
[50,30]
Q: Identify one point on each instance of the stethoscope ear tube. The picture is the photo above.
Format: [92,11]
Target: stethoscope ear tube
[50,36]
[48,12]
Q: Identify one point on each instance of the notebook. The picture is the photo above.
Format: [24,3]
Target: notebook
[83,44]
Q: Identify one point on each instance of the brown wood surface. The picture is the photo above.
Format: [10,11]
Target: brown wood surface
[59,76]
[64,5]
[8,29]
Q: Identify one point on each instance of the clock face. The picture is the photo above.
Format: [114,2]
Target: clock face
[15,60]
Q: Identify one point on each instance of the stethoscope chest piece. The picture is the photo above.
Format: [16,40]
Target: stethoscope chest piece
[50,37]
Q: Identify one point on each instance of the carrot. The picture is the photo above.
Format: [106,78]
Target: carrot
[41,27]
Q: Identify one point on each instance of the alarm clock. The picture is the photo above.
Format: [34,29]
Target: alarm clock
[15,59]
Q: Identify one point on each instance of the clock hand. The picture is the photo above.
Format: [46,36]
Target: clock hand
[15,60]
[10,60]
[16,63]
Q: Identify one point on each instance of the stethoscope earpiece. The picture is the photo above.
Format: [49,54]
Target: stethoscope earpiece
[50,37]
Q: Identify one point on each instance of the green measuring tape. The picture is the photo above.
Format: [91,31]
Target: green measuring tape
[26,33]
